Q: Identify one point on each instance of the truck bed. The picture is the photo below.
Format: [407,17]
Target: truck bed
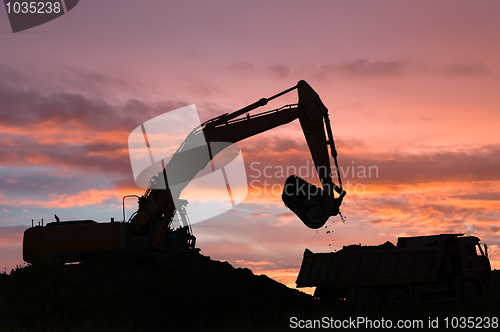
[355,268]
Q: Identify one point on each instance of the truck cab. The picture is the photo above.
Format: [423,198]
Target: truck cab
[474,262]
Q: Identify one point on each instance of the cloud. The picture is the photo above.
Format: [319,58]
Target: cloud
[400,209]
[24,108]
[100,157]
[276,70]
[95,83]
[480,164]
[371,219]
[415,193]
[279,70]
[92,197]
[241,67]
[366,68]
[39,182]
[464,69]
[416,208]
[68,129]
[11,235]
[482,196]
[361,163]
[12,77]
[257,265]
[91,83]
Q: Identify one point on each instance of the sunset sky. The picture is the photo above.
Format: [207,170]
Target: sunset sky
[412,88]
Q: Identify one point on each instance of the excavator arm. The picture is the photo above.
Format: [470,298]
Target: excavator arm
[311,204]
[150,225]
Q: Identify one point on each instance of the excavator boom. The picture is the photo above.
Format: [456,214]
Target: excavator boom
[150,225]
[311,204]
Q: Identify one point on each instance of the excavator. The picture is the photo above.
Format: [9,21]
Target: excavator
[151,226]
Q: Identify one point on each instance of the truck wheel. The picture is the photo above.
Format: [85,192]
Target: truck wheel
[469,292]
[366,299]
[397,299]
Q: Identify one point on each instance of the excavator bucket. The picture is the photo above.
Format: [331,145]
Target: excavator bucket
[310,203]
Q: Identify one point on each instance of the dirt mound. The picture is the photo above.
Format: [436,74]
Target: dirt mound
[495,279]
[386,245]
[182,291]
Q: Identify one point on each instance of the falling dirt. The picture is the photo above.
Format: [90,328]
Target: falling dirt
[342,217]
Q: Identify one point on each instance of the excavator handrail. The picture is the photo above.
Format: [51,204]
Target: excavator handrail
[261,102]
[201,126]
[288,106]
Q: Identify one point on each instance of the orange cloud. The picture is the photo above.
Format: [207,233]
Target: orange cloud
[91,197]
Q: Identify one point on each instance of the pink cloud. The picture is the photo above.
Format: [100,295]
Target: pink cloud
[11,235]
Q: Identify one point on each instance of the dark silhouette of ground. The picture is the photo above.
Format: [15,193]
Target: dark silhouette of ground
[182,291]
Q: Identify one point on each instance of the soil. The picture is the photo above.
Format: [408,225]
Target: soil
[180,291]
[184,291]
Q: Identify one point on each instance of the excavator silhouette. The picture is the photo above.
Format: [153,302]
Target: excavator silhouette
[150,227]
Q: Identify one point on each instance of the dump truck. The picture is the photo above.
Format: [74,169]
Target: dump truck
[421,269]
